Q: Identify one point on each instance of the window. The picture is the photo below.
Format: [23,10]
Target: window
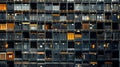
[2,56]
[41,56]
[78,55]
[78,26]
[70,6]
[25,25]
[85,26]
[63,17]
[10,36]
[33,17]
[25,17]
[70,16]
[93,35]
[49,35]
[48,45]
[10,16]
[40,7]
[33,44]
[18,26]
[33,35]
[56,36]
[56,7]
[48,7]
[78,45]
[48,26]
[85,18]
[78,35]
[41,35]
[63,6]
[18,45]
[86,45]
[2,16]
[63,45]
[100,26]
[71,26]
[92,7]
[33,26]
[10,7]
[10,56]
[33,56]
[3,7]
[18,16]
[33,6]
[10,44]
[49,17]
[41,17]
[62,36]
[78,7]
[25,45]
[107,7]
[70,36]
[71,44]
[21,7]
[78,17]
[10,63]
[17,7]
[56,17]
[63,26]
[85,35]
[18,54]
[41,45]
[25,55]
[56,45]
[3,35]
[93,17]
[115,26]
[10,26]
[26,35]
[3,26]
[48,54]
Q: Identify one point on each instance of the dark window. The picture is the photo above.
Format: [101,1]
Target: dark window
[48,54]
[26,35]
[99,25]
[93,35]
[70,6]
[18,54]
[63,6]
[78,54]
[10,44]
[33,6]
[78,26]
[48,34]
[115,26]
[33,45]
[71,44]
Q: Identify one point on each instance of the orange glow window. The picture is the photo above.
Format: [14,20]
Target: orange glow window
[3,7]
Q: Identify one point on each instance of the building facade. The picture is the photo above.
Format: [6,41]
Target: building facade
[59,33]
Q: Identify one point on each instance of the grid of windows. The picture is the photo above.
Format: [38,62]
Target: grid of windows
[59,33]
